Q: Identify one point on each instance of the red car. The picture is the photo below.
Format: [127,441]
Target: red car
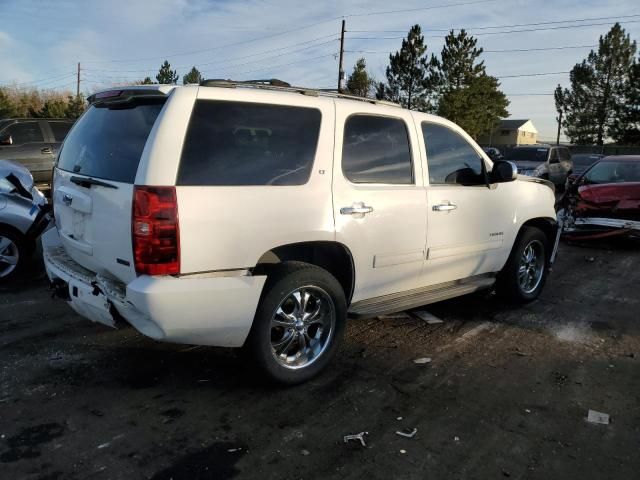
[605,199]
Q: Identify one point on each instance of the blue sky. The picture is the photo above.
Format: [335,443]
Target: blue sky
[123,40]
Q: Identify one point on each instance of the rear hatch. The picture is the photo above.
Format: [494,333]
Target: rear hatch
[94,179]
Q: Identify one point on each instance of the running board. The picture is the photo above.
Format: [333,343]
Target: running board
[398,302]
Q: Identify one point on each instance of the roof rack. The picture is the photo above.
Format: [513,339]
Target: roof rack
[281,86]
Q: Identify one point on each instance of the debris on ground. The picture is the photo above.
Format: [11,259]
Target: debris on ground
[356,436]
[234,450]
[395,316]
[428,317]
[422,360]
[598,417]
[403,451]
[456,439]
[475,331]
[407,433]
[399,418]
[590,259]
[304,452]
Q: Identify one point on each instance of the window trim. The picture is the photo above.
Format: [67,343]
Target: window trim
[36,121]
[411,151]
[220,100]
[485,173]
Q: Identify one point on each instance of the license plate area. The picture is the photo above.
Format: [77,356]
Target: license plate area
[87,301]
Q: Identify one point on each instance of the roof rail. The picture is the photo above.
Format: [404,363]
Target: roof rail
[281,86]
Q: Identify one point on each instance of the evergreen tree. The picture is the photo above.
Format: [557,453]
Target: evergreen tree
[194,76]
[7,109]
[146,81]
[626,128]
[477,106]
[599,87]
[408,73]
[466,94]
[166,76]
[75,106]
[52,108]
[360,82]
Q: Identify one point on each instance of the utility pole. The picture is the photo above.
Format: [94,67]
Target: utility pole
[340,70]
[559,118]
[78,82]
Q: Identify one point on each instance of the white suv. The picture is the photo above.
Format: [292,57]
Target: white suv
[234,214]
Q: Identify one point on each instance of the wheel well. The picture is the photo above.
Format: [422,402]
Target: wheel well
[12,229]
[548,226]
[332,256]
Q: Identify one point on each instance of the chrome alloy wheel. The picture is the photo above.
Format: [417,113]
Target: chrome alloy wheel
[302,327]
[532,264]
[9,256]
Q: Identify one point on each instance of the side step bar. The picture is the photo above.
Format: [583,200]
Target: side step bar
[398,302]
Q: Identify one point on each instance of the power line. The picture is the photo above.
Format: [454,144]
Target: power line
[530,74]
[542,49]
[503,26]
[34,83]
[503,32]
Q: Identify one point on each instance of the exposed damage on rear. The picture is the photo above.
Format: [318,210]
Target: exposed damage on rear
[604,201]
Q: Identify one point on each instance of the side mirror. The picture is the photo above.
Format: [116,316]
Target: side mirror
[503,171]
[7,140]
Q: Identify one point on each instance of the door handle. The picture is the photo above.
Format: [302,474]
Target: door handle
[444,207]
[360,209]
[46,151]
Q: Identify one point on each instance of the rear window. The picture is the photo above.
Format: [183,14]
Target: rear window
[108,140]
[238,143]
[528,154]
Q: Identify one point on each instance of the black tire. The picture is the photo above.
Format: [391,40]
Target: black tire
[508,283]
[17,243]
[282,282]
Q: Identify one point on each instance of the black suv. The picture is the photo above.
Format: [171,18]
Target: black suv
[33,142]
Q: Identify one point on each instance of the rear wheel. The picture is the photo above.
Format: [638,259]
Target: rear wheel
[523,277]
[13,254]
[298,324]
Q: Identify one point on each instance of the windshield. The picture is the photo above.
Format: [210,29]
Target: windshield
[528,154]
[108,140]
[614,172]
[582,160]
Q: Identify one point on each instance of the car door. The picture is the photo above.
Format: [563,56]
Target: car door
[467,219]
[555,168]
[566,165]
[379,198]
[28,147]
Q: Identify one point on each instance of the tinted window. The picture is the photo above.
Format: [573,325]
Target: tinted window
[584,160]
[533,154]
[564,154]
[24,132]
[614,172]
[450,158]
[107,141]
[237,143]
[376,150]
[60,130]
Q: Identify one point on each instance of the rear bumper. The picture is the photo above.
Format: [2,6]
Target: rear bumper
[207,310]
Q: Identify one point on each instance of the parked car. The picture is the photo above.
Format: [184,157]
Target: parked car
[258,216]
[605,199]
[493,153]
[33,142]
[582,161]
[24,214]
[549,162]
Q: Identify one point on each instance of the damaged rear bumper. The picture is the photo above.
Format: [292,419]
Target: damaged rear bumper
[215,311]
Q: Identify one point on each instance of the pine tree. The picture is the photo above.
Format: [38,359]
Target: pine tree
[466,94]
[75,106]
[7,108]
[52,108]
[626,128]
[360,82]
[408,73]
[146,81]
[166,76]
[593,104]
[194,76]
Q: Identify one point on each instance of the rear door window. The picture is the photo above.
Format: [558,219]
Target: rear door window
[241,143]
[60,130]
[24,132]
[376,150]
[107,141]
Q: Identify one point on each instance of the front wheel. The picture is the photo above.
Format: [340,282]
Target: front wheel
[298,324]
[523,277]
[13,255]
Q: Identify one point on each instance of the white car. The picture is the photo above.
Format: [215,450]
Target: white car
[235,214]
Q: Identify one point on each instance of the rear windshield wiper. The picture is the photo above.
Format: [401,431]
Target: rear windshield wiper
[88,181]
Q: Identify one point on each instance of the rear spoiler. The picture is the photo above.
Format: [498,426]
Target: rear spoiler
[123,95]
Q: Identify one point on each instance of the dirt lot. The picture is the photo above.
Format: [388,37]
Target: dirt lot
[505,396]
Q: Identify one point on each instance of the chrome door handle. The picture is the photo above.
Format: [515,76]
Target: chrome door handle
[444,207]
[356,210]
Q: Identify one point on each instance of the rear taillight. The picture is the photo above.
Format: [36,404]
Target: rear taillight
[154,231]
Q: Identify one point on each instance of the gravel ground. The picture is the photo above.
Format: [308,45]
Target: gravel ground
[506,394]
